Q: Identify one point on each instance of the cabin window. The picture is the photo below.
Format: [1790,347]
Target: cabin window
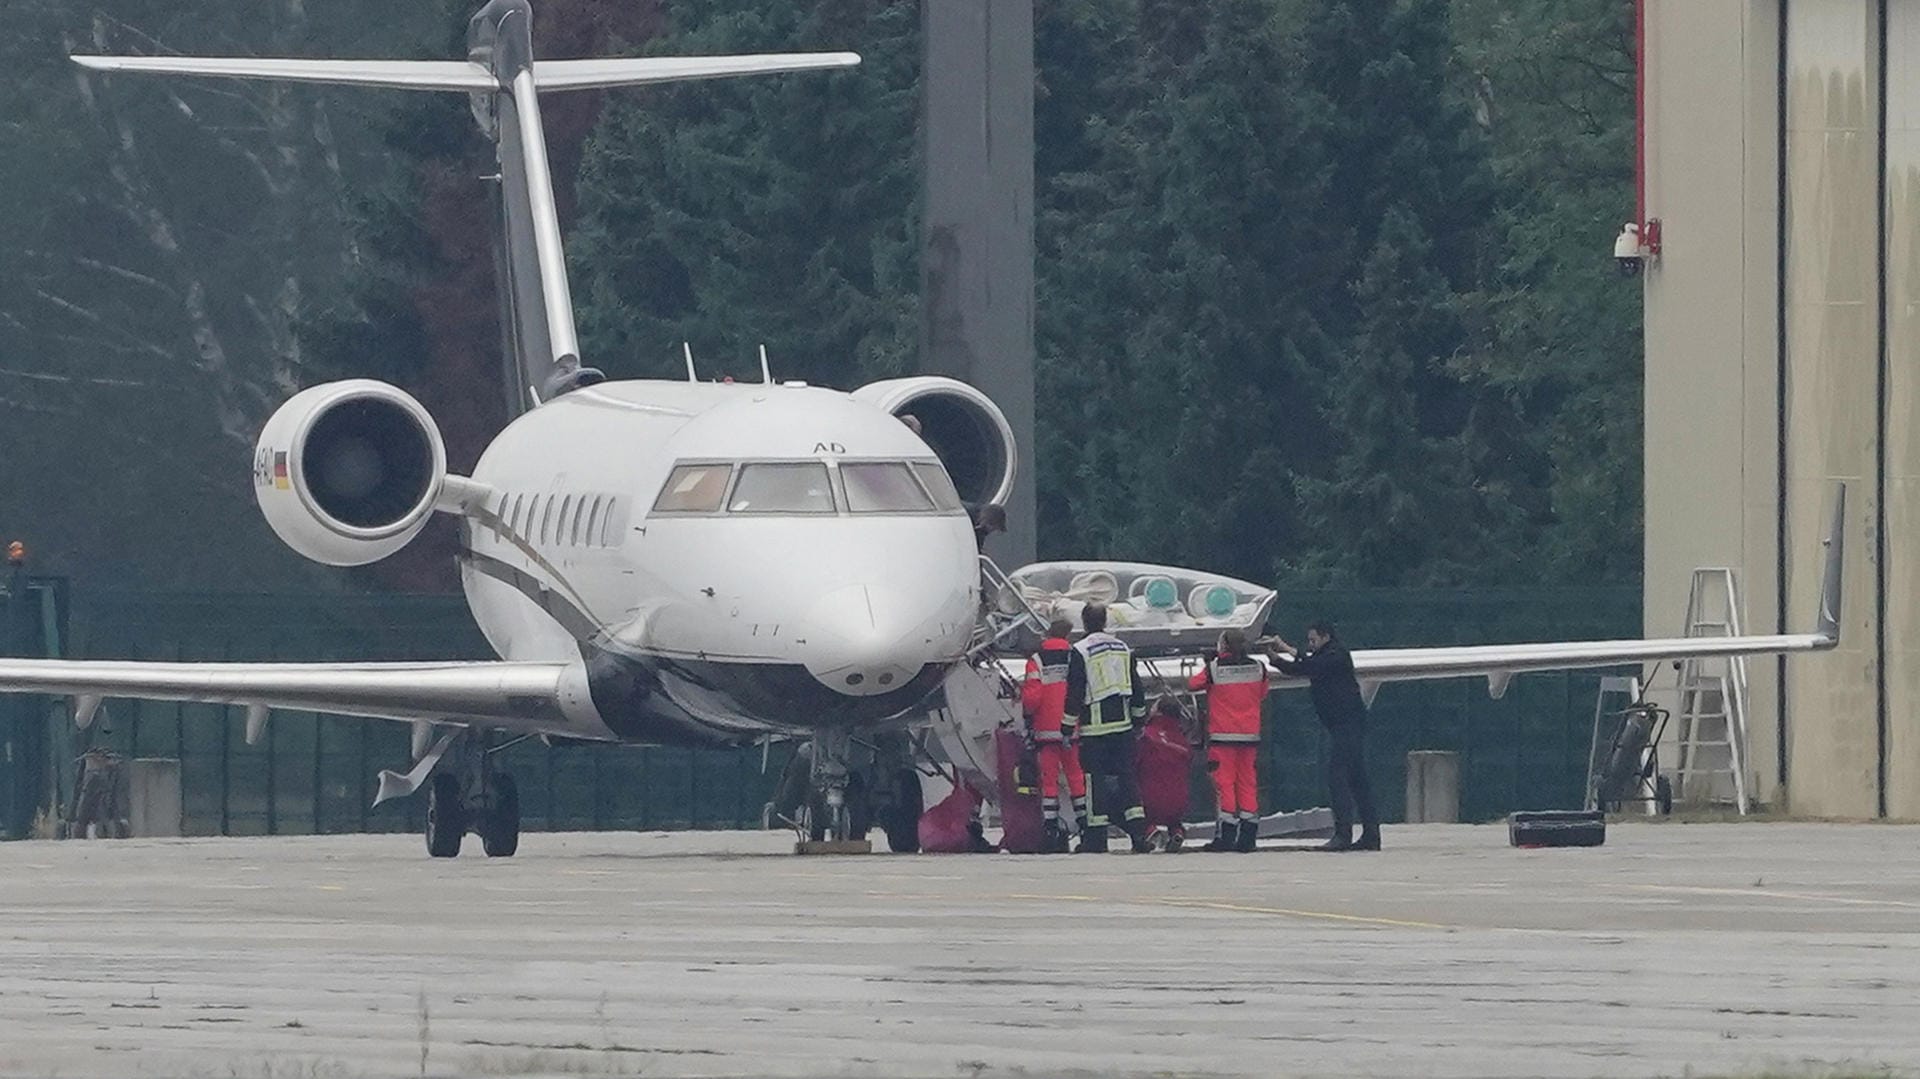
[610,527]
[883,487]
[513,522]
[933,475]
[593,521]
[546,516]
[782,488]
[694,489]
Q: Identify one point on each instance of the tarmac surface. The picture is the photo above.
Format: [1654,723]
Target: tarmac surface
[1780,949]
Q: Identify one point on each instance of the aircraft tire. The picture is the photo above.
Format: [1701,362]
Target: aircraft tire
[902,820]
[500,827]
[446,816]
[859,807]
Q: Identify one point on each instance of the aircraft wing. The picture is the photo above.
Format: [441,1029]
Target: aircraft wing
[519,697]
[1499,663]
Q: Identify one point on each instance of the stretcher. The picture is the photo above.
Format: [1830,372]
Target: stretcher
[1157,610]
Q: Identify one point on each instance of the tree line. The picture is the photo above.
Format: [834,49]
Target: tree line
[1322,287]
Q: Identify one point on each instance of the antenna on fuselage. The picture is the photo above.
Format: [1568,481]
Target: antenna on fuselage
[687,350]
[766,373]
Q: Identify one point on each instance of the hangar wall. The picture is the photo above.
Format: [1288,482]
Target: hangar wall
[1783,159]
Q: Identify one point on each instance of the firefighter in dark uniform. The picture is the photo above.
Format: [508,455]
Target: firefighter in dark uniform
[1106,701]
[1328,667]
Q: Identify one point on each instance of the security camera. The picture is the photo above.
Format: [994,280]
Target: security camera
[1628,253]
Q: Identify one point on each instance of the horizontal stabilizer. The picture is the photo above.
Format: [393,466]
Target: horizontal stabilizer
[466,76]
[395,74]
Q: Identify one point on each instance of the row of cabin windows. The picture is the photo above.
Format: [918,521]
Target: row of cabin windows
[809,487]
[563,520]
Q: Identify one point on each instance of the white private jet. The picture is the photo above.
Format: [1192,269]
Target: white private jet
[677,563]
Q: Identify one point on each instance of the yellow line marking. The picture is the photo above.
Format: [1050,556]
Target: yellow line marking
[1196,904]
[1770,894]
[331,887]
[1327,915]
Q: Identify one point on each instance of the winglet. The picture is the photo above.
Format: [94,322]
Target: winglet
[1828,625]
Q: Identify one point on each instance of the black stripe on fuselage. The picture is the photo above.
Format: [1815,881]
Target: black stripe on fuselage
[681,701]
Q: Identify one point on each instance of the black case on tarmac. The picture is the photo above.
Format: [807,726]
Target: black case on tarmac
[1557,828]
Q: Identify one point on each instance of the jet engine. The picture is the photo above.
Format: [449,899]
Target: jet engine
[348,472]
[967,431]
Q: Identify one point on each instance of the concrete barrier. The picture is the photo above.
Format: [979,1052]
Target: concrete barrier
[1433,787]
[153,796]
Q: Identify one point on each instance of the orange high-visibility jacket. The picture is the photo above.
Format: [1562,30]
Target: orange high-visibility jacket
[1235,685]
[1043,695]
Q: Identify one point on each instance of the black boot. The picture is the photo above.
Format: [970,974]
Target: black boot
[1342,840]
[1225,837]
[1093,840]
[977,838]
[1056,839]
[1369,838]
[1249,836]
[1137,831]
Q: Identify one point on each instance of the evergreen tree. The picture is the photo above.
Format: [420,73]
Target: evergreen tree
[776,210]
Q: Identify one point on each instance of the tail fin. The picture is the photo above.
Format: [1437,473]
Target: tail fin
[505,83]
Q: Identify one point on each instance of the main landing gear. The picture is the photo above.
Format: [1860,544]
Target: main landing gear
[467,794]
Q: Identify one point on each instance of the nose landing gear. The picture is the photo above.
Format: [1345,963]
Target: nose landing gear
[837,816]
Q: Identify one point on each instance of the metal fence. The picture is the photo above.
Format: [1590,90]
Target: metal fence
[314,773]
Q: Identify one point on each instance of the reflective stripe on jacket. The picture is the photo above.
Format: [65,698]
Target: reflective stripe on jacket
[1104,692]
[1235,685]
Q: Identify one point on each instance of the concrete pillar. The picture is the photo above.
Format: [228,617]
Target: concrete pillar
[153,796]
[1712,390]
[976,258]
[1832,393]
[1433,787]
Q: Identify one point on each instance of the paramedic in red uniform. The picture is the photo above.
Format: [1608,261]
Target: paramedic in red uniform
[1043,699]
[1236,685]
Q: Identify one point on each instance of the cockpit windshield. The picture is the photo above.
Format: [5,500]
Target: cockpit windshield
[883,487]
[896,488]
[782,488]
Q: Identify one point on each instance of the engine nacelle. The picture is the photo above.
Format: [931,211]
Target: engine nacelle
[967,431]
[348,472]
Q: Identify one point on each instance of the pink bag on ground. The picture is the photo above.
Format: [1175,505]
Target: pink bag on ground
[943,828]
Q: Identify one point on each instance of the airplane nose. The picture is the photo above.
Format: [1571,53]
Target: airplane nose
[863,641]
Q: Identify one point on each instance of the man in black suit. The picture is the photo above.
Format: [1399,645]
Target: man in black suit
[1328,667]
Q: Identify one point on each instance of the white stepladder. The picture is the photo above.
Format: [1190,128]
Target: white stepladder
[1710,739]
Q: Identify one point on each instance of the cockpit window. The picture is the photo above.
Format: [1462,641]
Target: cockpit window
[782,488]
[694,489]
[883,487]
[939,485]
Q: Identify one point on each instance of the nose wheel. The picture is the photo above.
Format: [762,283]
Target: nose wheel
[838,812]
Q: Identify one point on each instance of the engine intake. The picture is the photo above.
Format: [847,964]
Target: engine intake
[967,431]
[348,472]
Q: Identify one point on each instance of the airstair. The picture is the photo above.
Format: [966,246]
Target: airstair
[1711,719]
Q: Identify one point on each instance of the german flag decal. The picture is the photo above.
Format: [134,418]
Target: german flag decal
[280,480]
